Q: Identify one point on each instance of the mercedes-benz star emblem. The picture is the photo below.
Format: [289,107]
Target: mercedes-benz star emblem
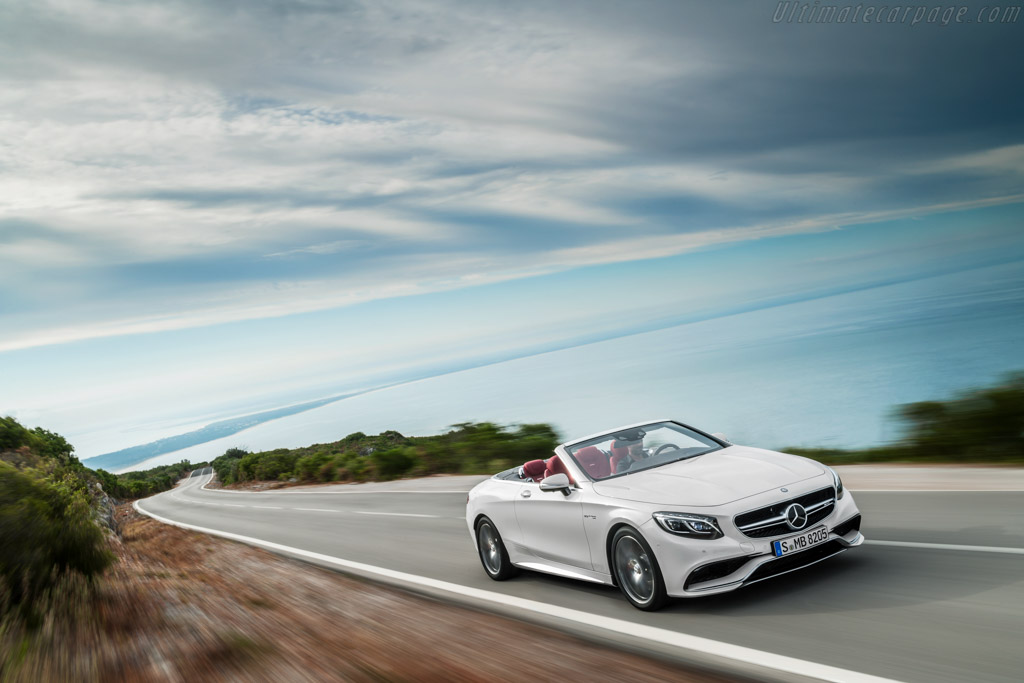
[796,516]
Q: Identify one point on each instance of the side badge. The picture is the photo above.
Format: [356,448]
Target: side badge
[784,490]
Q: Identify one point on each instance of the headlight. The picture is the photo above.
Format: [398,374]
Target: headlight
[691,526]
[839,483]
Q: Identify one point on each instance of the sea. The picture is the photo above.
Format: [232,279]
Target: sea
[825,372]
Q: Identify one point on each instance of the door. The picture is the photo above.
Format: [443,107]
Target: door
[552,525]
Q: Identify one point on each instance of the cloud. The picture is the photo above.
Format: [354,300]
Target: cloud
[182,163]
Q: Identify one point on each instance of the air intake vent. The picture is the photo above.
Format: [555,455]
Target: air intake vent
[715,570]
[852,524]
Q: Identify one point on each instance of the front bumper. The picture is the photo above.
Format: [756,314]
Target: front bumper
[696,568]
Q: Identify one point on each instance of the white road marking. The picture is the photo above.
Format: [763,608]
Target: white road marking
[335,491]
[697,647]
[395,514]
[275,491]
[897,544]
[274,507]
[323,493]
[948,546]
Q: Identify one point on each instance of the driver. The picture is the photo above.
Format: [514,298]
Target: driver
[635,452]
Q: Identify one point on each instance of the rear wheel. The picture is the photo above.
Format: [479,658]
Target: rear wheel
[636,570]
[493,555]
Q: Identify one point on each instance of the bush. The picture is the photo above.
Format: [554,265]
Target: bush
[144,483]
[309,467]
[354,469]
[277,464]
[46,532]
[392,463]
[983,425]
[12,434]
[327,471]
[468,448]
[226,466]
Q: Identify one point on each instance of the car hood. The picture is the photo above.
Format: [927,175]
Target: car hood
[717,478]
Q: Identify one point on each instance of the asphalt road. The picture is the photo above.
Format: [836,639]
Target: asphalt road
[910,613]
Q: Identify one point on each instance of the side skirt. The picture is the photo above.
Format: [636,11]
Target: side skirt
[565,571]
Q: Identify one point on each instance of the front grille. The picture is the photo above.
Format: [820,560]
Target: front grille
[795,561]
[852,524]
[771,520]
[714,570]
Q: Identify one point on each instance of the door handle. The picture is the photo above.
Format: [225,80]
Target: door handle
[525,493]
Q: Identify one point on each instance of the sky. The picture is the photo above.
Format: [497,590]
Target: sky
[215,207]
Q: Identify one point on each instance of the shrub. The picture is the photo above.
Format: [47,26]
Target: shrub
[226,466]
[354,469]
[46,532]
[392,463]
[12,434]
[985,425]
[54,446]
[468,448]
[308,467]
[327,471]
[277,464]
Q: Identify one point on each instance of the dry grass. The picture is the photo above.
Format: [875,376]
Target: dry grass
[180,606]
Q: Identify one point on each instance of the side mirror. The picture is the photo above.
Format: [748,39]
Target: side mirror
[556,482]
[721,437]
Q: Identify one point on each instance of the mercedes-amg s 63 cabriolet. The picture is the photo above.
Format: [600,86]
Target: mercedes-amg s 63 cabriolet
[661,510]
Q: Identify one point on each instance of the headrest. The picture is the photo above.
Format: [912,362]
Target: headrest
[628,438]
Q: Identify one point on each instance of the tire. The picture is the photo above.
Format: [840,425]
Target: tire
[491,549]
[636,570]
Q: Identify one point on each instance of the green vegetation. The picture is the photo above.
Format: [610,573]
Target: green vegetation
[977,426]
[48,530]
[132,485]
[470,448]
[34,444]
[52,511]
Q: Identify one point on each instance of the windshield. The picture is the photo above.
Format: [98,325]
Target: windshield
[639,448]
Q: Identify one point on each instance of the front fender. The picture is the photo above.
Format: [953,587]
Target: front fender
[605,523]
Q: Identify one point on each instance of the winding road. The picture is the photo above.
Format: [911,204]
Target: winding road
[936,594]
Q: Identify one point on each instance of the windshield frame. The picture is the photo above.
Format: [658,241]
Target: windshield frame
[570,448]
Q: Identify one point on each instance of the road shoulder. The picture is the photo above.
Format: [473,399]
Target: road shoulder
[181,606]
[904,477]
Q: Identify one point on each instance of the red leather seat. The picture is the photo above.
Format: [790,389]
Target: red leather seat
[619,453]
[535,469]
[556,466]
[594,461]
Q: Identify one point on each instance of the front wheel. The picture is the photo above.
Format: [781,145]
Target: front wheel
[493,555]
[636,570]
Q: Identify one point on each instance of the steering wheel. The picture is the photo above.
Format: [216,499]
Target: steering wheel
[666,446]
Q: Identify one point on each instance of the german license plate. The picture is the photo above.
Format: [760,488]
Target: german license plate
[802,542]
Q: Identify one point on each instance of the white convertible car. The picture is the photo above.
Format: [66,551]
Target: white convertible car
[661,510]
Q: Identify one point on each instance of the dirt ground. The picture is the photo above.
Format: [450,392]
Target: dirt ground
[181,606]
